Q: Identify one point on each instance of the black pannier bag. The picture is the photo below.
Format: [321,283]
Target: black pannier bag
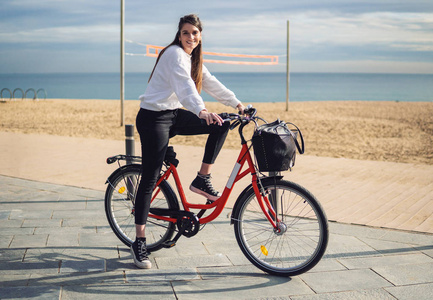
[275,146]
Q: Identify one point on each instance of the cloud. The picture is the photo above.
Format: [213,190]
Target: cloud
[331,31]
[363,28]
[362,66]
[64,35]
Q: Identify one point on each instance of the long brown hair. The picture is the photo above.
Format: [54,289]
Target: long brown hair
[196,55]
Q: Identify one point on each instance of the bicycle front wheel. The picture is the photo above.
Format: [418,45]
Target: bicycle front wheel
[120,208]
[301,236]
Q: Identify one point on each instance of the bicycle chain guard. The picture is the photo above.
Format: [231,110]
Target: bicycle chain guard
[187,223]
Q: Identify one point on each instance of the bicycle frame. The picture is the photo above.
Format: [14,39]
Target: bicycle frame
[279,226]
[219,204]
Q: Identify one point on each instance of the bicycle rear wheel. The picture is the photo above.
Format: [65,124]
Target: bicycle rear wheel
[302,235]
[120,208]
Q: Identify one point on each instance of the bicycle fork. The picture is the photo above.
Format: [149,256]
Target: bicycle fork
[269,207]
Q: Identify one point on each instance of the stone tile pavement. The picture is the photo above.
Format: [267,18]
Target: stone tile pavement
[56,244]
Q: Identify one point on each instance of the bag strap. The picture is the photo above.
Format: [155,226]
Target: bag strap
[301,150]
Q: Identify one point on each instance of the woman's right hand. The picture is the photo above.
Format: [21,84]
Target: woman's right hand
[210,118]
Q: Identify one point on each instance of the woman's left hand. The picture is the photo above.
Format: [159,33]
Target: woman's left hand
[211,118]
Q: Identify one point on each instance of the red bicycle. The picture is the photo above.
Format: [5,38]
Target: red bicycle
[280,226]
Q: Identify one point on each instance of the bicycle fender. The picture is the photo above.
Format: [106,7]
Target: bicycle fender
[114,174]
[246,190]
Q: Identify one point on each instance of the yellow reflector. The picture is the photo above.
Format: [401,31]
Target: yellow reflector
[264,250]
[122,189]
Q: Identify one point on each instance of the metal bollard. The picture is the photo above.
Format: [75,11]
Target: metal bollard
[129,142]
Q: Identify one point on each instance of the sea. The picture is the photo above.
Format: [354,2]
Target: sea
[248,87]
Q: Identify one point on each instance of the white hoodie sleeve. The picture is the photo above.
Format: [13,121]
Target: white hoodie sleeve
[216,89]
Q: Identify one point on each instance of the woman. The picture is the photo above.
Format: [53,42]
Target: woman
[176,81]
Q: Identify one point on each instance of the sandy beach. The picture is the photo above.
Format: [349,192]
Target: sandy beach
[366,130]
[369,163]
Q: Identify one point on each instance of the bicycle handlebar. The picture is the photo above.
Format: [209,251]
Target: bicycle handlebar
[249,114]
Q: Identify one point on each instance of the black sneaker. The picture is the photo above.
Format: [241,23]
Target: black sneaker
[202,185]
[139,254]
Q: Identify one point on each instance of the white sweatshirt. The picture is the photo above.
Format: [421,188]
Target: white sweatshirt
[172,87]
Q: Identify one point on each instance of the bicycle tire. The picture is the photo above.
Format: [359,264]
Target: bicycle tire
[303,236]
[119,208]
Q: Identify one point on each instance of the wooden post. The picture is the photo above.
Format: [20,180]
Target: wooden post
[122,57]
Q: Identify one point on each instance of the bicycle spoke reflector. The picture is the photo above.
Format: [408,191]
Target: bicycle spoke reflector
[264,250]
[122,189]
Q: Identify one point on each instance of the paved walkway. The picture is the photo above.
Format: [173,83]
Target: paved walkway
[56,243]
[380,194]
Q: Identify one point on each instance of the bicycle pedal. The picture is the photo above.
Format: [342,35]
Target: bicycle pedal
[169,244]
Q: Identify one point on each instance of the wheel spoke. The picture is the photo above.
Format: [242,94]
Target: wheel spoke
[120,209]
[298,242]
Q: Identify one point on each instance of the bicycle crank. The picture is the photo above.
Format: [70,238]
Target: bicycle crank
[187,223]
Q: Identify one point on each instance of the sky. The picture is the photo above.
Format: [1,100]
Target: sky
[365,36]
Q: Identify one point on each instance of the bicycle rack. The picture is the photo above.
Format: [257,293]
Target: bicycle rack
[23,94]
[31,90]
[6,89]
[41,90]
